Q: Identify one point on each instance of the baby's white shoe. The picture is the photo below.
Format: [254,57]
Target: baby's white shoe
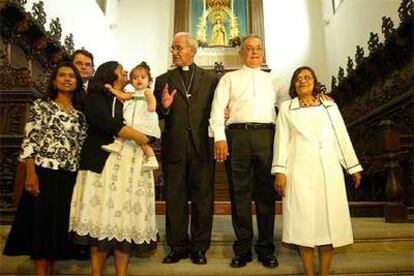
[150,164]
[115,147]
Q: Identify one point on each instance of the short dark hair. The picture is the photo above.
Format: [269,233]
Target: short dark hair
[79,93]
[82,52]
[142,65]
[105,74]
[316,87]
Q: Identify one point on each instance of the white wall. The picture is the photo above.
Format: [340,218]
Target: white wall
[143,32]
[297,32]
[294,37]
[86,21]
[350,26]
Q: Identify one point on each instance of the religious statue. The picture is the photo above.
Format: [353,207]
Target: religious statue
[220,16]
[218,33]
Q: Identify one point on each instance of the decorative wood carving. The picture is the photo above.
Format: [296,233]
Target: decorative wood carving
[18,88]
[349,66]
[406,10]
[39,14]
[55,30]
[27,30]
[8,160]
[387,27]
[333,83]
[380,88]
[69,45]
[373,42]
[359,56]
[341,74]
[14,107]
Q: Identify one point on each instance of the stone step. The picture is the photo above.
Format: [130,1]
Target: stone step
[369,235]
[379,249]
[343,264]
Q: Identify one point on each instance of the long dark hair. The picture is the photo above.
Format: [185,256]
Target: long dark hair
[105,74]
[316,87]
[77,96]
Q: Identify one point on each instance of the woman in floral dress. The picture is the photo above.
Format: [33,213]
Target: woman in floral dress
[54,133]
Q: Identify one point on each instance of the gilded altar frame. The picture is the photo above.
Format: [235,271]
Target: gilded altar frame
[227,55]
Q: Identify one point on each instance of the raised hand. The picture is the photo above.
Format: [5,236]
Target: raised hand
[167,98]
[325,97]
[121,95]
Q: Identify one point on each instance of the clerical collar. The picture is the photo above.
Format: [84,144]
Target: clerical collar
[187,67]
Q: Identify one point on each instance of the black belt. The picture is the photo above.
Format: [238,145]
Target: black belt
[247,126]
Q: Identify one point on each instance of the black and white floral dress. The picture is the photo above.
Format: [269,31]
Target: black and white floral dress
[53,139]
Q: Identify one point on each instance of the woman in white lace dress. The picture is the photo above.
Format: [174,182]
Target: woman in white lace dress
[113,204]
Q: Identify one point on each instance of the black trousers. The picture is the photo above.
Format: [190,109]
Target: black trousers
[248,168]
[190,179]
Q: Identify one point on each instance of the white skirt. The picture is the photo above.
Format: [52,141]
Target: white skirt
[117,204]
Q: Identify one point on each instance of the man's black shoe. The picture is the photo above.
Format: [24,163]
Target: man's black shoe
[174,257]
[268,260]
[198,257]
[241,260]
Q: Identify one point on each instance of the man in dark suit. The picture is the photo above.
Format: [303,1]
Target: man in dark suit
[184,97]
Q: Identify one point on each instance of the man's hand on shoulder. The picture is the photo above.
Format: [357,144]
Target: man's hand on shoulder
[325,97]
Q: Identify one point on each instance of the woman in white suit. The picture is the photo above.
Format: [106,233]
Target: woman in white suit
[311,143]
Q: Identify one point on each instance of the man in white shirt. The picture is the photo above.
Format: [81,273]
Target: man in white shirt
[245,140]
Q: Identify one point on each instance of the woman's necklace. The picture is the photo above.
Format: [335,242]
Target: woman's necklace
[309,102]
[67,107]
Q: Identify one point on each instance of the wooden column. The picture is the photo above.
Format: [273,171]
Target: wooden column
[181,16]
[256,22]
[395,210]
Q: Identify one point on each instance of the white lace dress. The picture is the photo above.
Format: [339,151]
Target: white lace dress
[116,209]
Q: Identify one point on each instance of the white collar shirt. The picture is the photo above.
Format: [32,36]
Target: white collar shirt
[251,96]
